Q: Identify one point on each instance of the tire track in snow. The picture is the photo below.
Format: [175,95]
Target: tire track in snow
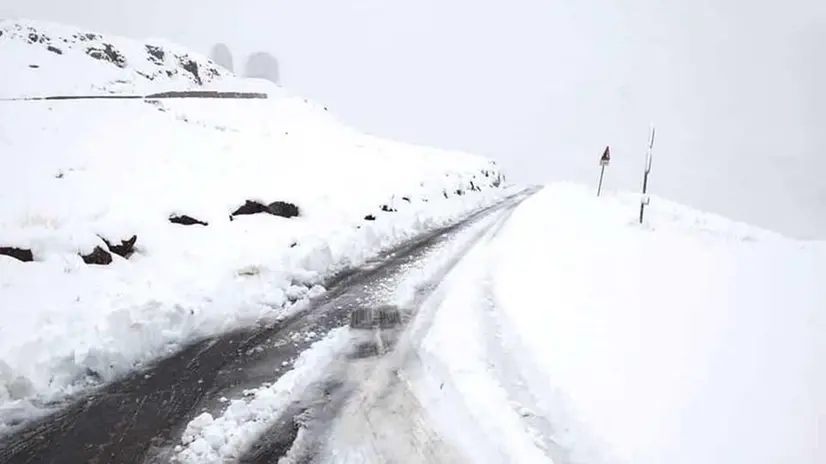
[340,303]
[506,369]
[491,412]
[372,408]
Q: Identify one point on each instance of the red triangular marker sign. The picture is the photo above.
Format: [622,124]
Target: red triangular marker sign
[606,156]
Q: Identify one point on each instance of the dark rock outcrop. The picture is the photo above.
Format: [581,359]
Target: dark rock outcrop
[250,207]
[276,208]
[125,249]
[191,67]
[369,217]
[283,209]
[156,54]
[34,37]
[107,53]
[20,254]
[98,256]
[186,220]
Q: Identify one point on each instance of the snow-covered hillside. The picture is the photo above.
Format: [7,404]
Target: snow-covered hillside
[123,230]
[43,57]
[589,338]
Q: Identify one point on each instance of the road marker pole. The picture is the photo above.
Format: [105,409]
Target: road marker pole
[603,161]
[644,200]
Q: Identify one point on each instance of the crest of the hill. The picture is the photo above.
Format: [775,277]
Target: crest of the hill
[47,58]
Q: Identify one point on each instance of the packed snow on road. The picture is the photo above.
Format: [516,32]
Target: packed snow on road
[568,332]
[579,335]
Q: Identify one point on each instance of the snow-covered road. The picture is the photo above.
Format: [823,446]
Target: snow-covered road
[177,277]
[368,409]
[568,333]
[529,334]
[408,407]
[581,336]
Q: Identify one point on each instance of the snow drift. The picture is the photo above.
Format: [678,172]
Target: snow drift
[122,225]
[592,339]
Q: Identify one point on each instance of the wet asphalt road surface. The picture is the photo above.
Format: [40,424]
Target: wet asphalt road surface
[301,431]
[130,420]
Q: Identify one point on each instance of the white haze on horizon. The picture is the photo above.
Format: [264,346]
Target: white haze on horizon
[736,88]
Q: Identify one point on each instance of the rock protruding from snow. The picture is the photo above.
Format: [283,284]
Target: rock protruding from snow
[34,52]
[97,256]
[250,207]
[124,249]
[186,220]
[283,209]
[107,52]
[19,254]
[276,208]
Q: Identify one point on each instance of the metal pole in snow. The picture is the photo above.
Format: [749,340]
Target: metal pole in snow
[644,200]
[603,161]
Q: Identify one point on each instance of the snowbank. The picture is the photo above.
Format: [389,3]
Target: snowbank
[78,174]
[689,339]
[208,439]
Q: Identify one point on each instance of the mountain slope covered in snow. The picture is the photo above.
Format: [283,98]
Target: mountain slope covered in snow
[125,226]
[43,57]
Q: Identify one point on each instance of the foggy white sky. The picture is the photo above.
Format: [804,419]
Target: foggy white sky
[735,87]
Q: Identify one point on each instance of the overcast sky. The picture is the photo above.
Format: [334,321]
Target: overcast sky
[735,87]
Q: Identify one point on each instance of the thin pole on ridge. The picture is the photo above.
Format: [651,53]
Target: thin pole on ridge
[603,161]
[644,200]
